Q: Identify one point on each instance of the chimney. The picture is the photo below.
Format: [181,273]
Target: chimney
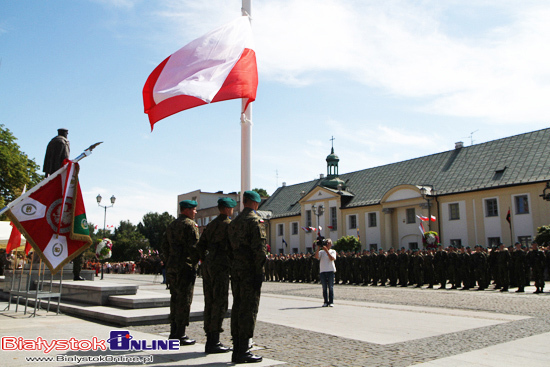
[284,184]
[322,175]
[459,144]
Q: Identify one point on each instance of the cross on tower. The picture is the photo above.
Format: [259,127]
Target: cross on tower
[332,141]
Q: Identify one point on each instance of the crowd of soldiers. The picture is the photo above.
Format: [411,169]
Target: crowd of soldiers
[452,267]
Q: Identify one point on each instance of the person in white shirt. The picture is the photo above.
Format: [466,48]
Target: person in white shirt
[327,268]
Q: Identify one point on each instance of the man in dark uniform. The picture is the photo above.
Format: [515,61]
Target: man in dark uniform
[403,265]
[503,267]
[214,248]
[58,150]
[428,270]
[537,262]
[440,265]
[520,264]
[181,257]
[248,245]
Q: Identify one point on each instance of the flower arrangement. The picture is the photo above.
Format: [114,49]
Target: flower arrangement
[431,239]
[103,249]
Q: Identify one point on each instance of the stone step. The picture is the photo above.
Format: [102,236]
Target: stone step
[92,293]
[142,299]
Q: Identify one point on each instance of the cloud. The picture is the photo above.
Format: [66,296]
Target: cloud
[466,59]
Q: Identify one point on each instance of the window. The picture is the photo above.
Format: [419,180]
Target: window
[411,216]
[199,222]
[280,229]
[352,221]
[281,251]
[454,211]
[309,250]
[491,208]
[333,218]
[524,240]
[456,243]
[294,228]
[308,218]
[522,204]
[413,245]
[295,250]
[373,247]
[372,219]
[493,241]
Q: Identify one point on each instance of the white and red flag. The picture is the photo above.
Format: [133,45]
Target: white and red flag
[218,66]
[425,219]
[52,217]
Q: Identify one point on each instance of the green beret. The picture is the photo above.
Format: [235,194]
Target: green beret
[227,202]
[252,195]
[186,204]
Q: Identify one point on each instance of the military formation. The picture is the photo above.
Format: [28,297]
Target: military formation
[230,251]
[465,268]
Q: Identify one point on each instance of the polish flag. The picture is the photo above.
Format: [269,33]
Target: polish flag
[218,66]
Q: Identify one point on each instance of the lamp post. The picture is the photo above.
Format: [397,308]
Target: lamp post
[426,194]
[546,192]
[268,217]
[98,198]
[318,211]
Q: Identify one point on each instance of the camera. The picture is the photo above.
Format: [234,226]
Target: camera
[321,241]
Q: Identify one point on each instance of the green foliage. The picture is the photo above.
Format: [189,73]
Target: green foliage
[16,169]
[347,243]
[127,242]
[543,235]
[153,227]
[262,192]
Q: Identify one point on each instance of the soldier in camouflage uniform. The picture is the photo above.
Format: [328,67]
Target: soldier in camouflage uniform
[248,244]
[440,265]
[537,261]
[519,257]
[214,250]
[502,268]
[403,265]
[181,257]
[391,263]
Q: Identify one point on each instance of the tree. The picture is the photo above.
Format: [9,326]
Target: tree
[262,192]
[127,242]
[543,235]
[347,243]
[153,226]
[16,169]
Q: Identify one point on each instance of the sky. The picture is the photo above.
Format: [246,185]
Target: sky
[389,80]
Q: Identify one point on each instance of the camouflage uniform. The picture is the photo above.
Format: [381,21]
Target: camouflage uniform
[214,251]
[181,258]
[537,262]
[248,246]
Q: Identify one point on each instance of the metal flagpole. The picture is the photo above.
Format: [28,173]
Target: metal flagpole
[246,126]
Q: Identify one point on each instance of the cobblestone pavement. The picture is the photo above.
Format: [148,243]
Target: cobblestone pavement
[299,347]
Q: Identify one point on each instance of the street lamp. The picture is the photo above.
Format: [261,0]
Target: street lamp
[268,217]
[426,194]
[318,211]
[98,198]
[546,195]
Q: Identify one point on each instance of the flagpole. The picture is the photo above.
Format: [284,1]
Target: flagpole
[246,126]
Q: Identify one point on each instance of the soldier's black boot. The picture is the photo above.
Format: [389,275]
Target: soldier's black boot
[242,354]
[184,339]
[213,344]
